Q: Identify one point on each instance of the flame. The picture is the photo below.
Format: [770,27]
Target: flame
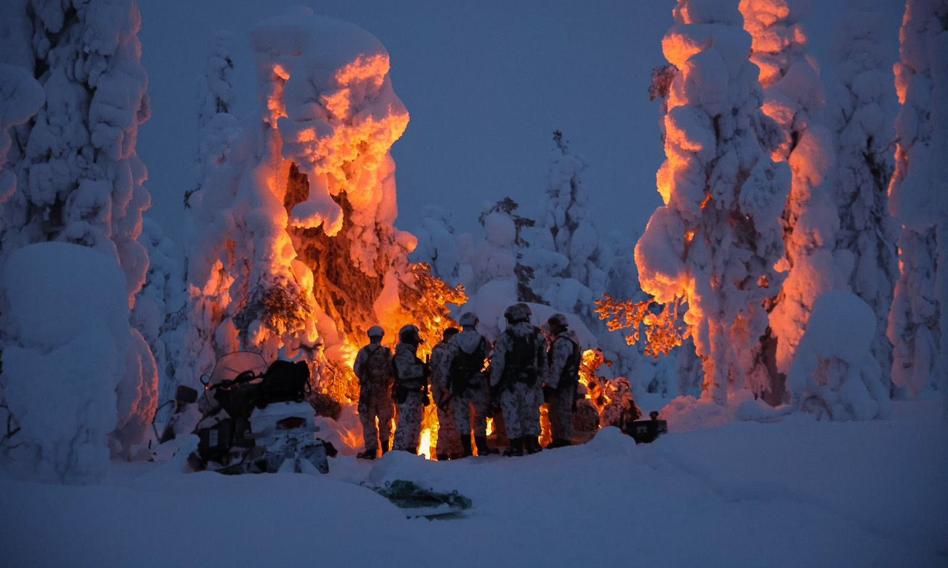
[424,446]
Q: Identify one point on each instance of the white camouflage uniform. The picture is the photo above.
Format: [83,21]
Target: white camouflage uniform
[375,399]
[565,347]
[410,375]
[476,397]
[519,402]
[449,440]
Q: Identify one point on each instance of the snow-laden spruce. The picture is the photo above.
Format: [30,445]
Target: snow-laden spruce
[161,311]
[72,174]
[715,240]
[794,98]
[861,114]
[296,247]
[565,250]
[919,199]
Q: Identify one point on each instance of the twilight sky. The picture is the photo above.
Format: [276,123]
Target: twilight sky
[485,82]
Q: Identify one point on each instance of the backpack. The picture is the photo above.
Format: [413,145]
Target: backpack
[465,365]
[284,381]
[571,368]
[378,366]
[520,364]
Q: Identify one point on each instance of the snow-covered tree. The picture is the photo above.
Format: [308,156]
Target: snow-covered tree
[860,118]
[794,99]
[715,240]
[565,249]
[297,250]
[439,246]
[78,180]
[919,198]
[217,124]
[161,312]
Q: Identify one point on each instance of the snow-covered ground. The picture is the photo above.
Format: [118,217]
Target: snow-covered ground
[792,493]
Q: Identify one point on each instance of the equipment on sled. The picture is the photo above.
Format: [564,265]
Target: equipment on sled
[253,419]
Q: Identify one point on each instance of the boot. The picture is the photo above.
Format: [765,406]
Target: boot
[482,448]
[366,455]
[442,457]
[559,443]
[532,445]
[466,446]
[516,447]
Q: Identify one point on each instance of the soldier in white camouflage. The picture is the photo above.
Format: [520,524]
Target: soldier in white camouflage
[517,368]
[468,385]
[449,440]
[411,389]
[373,368]
[562,380]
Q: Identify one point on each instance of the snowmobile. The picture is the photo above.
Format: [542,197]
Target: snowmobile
[252,419]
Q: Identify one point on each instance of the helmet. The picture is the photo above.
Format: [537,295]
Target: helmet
[375,331]
[409,334]
[558,321]
[468,319]
[517,313]
[449,333]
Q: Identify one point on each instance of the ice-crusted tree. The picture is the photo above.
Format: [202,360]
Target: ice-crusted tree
[78,180]
[860,114]
[794,98]
[714,242]
[919,198]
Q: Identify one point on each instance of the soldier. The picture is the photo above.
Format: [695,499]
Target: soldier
[449,441]
[468,385]
[518,365]
[411,389]
[562,380]
[373,367]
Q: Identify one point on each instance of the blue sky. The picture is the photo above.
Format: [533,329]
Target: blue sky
[485,82]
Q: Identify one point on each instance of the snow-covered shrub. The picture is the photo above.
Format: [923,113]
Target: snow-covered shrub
[715,240]
[834,372]
[919,199]
[71,363]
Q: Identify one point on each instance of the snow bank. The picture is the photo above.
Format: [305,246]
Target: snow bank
[72,368]
[828,494]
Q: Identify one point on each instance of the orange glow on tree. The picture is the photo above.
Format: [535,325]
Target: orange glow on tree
[661,325]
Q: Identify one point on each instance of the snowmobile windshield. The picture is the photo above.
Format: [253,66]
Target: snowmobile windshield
[233,364]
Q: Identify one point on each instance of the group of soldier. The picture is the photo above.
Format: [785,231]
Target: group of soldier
[469,380]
